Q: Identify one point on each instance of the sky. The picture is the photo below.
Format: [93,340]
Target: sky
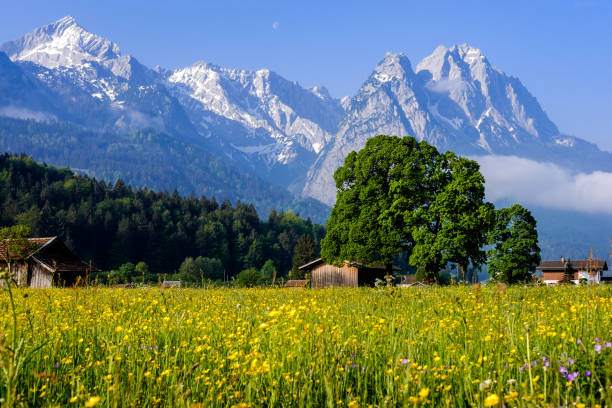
[561,50]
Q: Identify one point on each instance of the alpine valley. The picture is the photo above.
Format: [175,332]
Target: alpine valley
[71,98]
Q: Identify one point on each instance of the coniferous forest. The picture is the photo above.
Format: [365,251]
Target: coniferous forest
[116,226]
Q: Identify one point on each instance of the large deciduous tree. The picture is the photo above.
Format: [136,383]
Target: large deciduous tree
[515,253]
[397,194]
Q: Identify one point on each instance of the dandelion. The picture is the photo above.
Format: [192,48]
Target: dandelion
[92,402]
[491,400]
[424,393]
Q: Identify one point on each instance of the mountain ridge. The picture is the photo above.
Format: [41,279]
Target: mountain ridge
[272,127]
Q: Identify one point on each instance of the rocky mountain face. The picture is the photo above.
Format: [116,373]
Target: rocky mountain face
[265,125]
[455,100]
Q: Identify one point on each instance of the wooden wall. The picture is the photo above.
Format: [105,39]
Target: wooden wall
[40,277]
[325,275]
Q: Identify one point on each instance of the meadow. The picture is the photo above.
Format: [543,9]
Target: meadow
[453,346]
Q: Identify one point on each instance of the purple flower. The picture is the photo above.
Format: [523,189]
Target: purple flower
[521,368]
[596,339]
[353,365]
[570,361]
[587,373]
[404,361]
[578,341]
[598,348]
[563,370]
[56,364]
[352,354]
[547,364]
[572,376]
[608,344]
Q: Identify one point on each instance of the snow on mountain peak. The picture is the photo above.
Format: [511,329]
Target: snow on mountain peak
[393,66]
[62,43]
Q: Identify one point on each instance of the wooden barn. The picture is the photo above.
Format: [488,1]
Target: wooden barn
[48,262]
[350,274]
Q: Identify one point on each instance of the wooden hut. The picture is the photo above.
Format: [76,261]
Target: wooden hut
[350,274]
[47,262]
[296,283]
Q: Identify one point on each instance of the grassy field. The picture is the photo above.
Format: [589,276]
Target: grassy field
[454,346]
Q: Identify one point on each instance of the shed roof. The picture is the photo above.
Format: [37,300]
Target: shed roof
[296,283]
[317,261]
[52,254]
[581,264]
[34,243]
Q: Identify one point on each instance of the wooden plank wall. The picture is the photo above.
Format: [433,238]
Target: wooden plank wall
[41,278]
[329,275]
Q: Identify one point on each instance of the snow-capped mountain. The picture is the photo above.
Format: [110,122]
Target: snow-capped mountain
[282,125]
[455,100]
[97,86]
[264,124]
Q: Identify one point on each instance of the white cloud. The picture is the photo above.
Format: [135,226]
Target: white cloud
[24,113]
[275,25]
[548,185]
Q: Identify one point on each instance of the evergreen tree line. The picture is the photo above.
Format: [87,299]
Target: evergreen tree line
[140,233]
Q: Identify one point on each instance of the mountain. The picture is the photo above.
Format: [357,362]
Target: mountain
[455,100]
[278,127]
[228,132]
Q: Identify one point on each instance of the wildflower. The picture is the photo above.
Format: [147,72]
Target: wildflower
[570,361]
[491,400]
[596,339]
[608,344]
[424,393]
[587,373]
[404,361]
[91,402]
[598,348]
[563,370]
[572,376]
[578,341]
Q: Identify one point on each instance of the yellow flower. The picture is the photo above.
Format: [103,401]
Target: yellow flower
[511,396]
[580,405]
[491,400]
[91,402]
[424,393]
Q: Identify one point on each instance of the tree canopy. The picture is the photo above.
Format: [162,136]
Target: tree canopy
[400,195]
[515,253]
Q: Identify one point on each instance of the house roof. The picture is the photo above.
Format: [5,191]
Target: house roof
[35,245]
[582,264]
[52,254]
[296,283]
[317,261]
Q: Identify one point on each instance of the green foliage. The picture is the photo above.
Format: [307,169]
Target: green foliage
[250,277]
[515,253]
[568,273]
[112,224]
[304,252]
[142,270]
[397,194]
[267,270]
[199,269]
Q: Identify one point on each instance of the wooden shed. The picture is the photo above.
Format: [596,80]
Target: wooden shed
[48,262]
[350,274]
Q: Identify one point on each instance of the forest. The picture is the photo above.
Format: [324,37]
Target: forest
[117,227]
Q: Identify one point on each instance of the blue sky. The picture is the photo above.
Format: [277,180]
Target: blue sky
[561,50]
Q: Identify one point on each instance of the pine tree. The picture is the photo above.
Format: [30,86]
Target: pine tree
[304,252]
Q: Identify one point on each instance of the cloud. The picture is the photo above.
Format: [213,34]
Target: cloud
[275,25]
[24,113]
[547,185]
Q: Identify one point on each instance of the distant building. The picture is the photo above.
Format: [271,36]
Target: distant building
[48,262]
[171,284]
[296,283]
[350,274]
[593,271]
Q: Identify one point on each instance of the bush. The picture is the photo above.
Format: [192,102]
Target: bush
[250,277]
